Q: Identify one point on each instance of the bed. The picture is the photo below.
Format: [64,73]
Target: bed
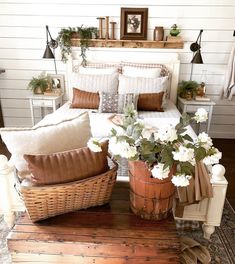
[209,210]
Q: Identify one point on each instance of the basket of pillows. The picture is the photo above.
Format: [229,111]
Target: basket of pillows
[59,173]
[67,181]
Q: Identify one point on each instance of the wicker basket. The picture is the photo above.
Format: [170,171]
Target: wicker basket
[43,202]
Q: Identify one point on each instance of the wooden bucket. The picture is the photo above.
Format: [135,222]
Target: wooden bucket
[150,198]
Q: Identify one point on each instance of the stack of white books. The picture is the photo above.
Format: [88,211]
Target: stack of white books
[202,98]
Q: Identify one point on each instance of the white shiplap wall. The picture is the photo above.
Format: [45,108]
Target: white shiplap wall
[22,43]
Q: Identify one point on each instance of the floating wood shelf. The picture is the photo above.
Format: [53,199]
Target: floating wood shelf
[102,43]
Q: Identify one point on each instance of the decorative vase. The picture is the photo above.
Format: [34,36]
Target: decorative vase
[150,198]
[174,31]
[38,90]
[158,34]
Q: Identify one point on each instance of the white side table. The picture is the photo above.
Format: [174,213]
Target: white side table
[44,101]
[186,106]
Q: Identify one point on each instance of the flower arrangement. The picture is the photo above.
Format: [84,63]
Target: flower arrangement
[162,148]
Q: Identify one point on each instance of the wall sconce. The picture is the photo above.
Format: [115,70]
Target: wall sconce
[196,48]
[52,44]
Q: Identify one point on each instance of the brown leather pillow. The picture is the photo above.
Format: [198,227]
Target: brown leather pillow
[150,102]
[83,99]
[67,166]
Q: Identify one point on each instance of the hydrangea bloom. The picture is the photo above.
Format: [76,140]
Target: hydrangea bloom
[204,140]
[94,145]
[201,115]
[181,180]
[122,148]
[213,158]
[184,154]
[160,173]
[166,133]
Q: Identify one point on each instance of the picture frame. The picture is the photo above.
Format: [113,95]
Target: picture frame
[134,23]
[56,83]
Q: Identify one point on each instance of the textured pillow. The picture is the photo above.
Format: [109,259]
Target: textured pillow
[141,72]
[163,69]
[67,166]
[95,83]
[64,135]
[82,99]
[115,103]
[150,102]
[98,71]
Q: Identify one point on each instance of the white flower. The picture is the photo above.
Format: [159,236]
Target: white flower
[184,154]
[181,180]
[205,140]
[160,173]
[122,148]
[148,131]
[166,133]
[94,145]
[201,115]
[214,158]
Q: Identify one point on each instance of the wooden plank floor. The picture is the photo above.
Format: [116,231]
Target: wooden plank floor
[109,234]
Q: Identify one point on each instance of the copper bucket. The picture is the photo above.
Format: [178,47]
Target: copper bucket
[150,198]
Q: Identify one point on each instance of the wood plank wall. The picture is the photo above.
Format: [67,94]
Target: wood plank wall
[22,43]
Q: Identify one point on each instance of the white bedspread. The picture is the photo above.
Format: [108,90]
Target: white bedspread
[101,126]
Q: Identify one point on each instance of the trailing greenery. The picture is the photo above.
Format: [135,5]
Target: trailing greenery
[65,43]
[187,86]
[38,82]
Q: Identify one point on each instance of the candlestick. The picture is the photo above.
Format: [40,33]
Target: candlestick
[107,28]
[100,26]
[113,29]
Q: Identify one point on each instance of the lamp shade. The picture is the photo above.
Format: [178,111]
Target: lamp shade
[48,54]
[197,58]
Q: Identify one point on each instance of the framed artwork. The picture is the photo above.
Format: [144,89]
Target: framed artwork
[134,22]
[56,83]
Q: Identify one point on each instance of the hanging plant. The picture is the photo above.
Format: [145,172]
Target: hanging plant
[65,43]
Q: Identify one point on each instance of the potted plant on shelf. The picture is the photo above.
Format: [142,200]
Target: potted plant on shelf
[187,89]
[160,159]
[65,40]
[39,84]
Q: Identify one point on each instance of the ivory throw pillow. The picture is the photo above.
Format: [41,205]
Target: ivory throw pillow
[150,102]
[141,85]
[141,72]
[67,134]
[115,103]
[83,99]
[67,166]
[94,83]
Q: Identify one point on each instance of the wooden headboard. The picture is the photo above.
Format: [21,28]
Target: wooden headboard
[116,55]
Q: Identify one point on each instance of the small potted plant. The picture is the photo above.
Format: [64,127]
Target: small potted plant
[174,30]
[38,84]
[187,89]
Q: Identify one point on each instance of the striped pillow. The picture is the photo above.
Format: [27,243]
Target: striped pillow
[94,83]
[164,70]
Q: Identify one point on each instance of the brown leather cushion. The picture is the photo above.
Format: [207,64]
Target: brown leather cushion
[67,166]
[83,99]
[150,102]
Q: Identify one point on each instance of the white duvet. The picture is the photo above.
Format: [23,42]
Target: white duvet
[101,126]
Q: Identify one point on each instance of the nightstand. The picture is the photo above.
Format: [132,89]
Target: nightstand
[191,106]
[44,101]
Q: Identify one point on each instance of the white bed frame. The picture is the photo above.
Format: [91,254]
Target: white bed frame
[209,211]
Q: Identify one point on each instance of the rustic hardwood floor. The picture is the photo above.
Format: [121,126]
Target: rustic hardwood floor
[101,235]
[227,146]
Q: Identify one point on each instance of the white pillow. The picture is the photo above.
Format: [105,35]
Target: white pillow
[98,71]
[65,135]
[141,72]
[95,83]
[139,85]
